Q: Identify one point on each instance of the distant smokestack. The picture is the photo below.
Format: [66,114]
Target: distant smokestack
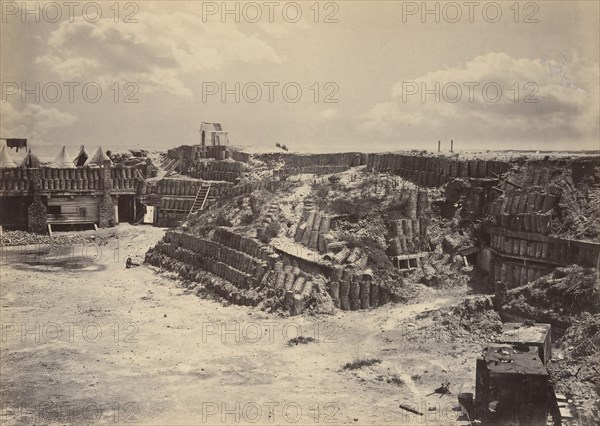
[439,146]
[451,145]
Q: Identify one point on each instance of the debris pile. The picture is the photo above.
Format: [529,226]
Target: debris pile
[556,298]
[575,367]
[19,238]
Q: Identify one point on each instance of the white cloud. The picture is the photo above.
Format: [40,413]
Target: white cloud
[154,53]
[329,113]
[566,93]
[33,121]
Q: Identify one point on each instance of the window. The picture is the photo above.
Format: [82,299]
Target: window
[82,211]
[54,210]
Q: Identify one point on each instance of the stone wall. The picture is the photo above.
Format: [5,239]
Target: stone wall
[106,208]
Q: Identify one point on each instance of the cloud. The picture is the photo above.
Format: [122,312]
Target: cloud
[538,99]
[329,113]
[107,51]
[33,121]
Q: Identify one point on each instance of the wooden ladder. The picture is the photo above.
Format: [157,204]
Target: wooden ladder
[200,200]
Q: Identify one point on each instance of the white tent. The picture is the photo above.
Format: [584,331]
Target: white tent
[31,160]
[63,159]
[98,158]
[82,157]
[5,160]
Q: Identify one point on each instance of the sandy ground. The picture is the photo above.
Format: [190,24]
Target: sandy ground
[87,341]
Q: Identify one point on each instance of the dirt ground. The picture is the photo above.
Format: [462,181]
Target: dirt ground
[85,340]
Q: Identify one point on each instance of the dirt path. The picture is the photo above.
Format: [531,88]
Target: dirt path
[88,341]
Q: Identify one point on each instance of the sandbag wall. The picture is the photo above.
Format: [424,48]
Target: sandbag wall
[15,179]
[184,187]
[174,198]
[354,290]
[524,211]
[409,236]
[240,156]
[286,277]
[247,188]
[72,179]
[317,170]
[124,178]
[311,233]
[228,171]
[434,171]
[297,161]
[189,153]
[556,251]
[347,159]
[340,254]
[240,261]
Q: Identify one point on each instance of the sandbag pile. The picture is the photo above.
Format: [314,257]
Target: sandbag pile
[242,269]
[228,171]
[247,188]
[290,278]
[524,211]
[317,170]
[170,219]
[184,187]
[190,153]
[15,179]
[339,254]
[435,170]
[239,260]
[355,290]
[124,178]
[312,233]
[409,236]
[179,204]
[553,250]
[292,160]
[72,179]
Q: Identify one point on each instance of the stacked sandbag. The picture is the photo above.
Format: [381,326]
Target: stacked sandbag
[312,233]
[524,211]
[434,171]
[406,236]
[229,171]
[557,251]
[356,290]
[268,184]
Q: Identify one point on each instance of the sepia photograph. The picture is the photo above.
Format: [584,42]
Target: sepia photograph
[305,212]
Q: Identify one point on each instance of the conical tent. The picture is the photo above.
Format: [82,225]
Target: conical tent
[5,160]
[30,160]
[98,158]
[82,157]
[63,159]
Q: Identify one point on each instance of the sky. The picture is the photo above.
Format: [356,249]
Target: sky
[314,76]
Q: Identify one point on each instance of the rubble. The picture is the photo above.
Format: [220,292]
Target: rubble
[20,238]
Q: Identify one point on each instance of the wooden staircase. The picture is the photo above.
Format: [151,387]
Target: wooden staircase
[202,199]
